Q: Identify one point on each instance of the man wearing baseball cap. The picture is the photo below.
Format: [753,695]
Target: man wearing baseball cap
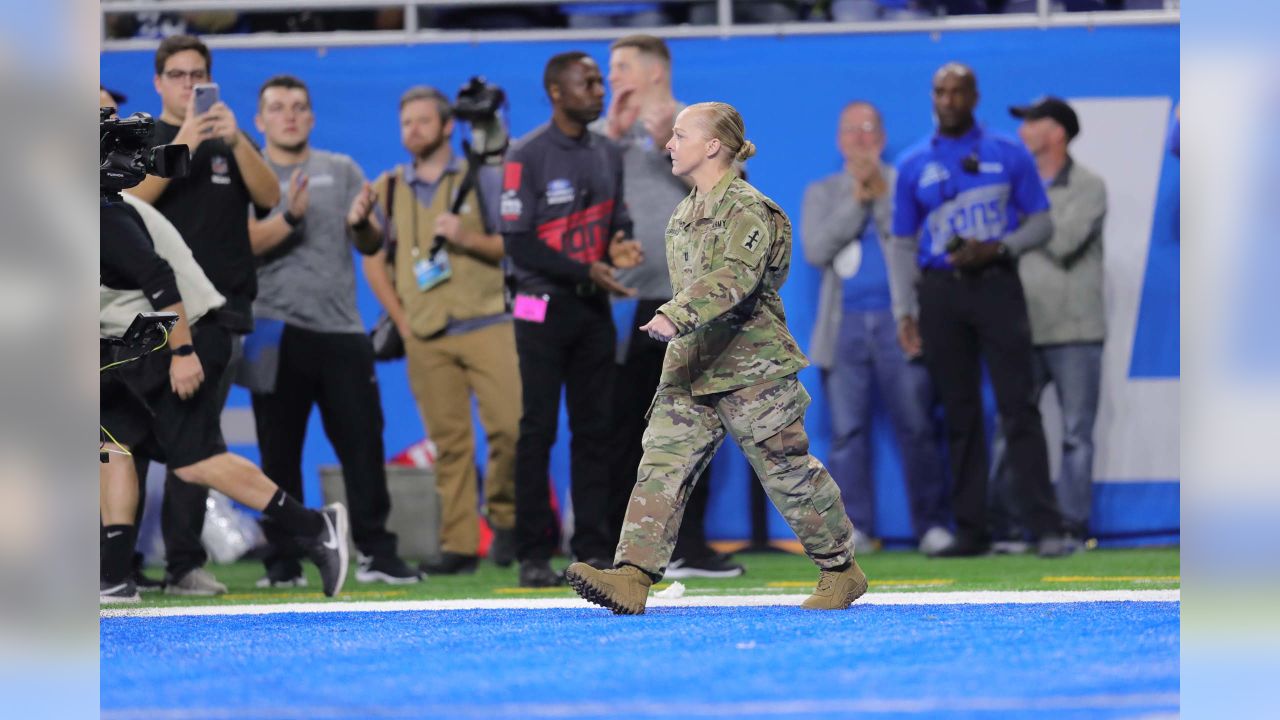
[1063,285]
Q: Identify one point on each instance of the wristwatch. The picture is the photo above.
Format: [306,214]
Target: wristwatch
[184,350]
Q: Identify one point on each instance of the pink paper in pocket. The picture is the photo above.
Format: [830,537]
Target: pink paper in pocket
[531,308]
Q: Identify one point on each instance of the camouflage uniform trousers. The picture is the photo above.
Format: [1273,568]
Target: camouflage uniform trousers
[767,423]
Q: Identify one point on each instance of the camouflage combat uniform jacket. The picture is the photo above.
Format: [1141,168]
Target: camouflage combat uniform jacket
[728,259]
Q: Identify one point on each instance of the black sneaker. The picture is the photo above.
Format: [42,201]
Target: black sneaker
[964,547]
[329,550]
[502,551]
[146,584]
[391,570]
[122,592]
[538,574]
[450,564]
[715,565]
[287,574]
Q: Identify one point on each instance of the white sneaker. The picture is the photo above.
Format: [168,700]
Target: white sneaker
[197,583]
[935,539]
[1010,547]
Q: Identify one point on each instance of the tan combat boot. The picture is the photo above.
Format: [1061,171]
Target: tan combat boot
[837,590]
[623,590]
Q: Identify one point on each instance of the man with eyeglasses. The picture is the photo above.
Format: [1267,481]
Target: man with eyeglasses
[967,202]
[209,207]
[845,218]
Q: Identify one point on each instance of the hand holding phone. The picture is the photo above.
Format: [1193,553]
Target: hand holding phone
[206,96]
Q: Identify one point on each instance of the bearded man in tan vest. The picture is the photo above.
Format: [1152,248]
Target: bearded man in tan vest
[449,305]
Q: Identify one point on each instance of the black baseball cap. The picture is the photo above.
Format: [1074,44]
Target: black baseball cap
[1051,107]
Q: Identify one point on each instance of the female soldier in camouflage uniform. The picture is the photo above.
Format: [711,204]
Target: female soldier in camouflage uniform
[730,369]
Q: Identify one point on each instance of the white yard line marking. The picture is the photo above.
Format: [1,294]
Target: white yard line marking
[881,598]
[676,708]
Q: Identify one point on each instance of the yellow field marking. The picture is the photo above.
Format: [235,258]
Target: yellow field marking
[373,594]
[1111,578]
[932,582]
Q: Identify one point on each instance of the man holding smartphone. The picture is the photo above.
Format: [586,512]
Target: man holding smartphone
[209,207]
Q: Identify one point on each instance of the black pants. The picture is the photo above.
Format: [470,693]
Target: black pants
[184,505]
[334,371]
[573,349]
[983,316]
[636,383]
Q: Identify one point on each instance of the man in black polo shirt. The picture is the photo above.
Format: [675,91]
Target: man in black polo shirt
[209,207]
[566,228]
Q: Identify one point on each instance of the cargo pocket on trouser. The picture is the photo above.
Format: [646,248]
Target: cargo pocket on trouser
[797,483]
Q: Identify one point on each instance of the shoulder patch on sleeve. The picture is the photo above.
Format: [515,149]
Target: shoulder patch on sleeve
[748,237]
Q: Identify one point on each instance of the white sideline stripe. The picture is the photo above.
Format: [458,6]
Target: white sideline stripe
[838,707]
[1011,597]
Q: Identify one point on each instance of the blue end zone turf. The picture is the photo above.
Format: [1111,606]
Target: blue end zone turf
[1104,659]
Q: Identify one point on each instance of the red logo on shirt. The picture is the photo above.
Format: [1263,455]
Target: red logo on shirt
[580,235]
[511,176]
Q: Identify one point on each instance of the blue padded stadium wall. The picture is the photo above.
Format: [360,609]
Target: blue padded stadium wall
[790,91]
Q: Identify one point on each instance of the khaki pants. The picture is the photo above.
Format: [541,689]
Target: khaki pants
[767,422]
[444,373]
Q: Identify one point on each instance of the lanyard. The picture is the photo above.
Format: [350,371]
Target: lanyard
[415,248]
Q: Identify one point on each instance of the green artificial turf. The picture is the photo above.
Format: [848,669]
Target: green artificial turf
[780,573]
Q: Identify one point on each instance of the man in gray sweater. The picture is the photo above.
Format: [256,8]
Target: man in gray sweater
[1063,284]
[845,218]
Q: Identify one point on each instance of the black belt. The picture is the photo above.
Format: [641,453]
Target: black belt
[587,290]
[988,269]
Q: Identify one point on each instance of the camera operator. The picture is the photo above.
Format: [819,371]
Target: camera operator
[209,207]
[315,349]
[441,281]
[162,401]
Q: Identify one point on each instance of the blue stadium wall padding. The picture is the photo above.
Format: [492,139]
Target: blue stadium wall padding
[790,91]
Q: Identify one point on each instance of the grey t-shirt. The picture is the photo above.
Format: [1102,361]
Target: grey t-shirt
[309,280]
[651,193]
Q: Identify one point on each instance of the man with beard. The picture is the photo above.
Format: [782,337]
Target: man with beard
[566,229]
[309,347]
[440,279]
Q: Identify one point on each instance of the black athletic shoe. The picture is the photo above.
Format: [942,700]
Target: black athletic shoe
[502,551]
[329,550]
[122,592]
[146,584]
[391,570]
[450,564]
[964,547]
[287,574]
[538,574]
[715,565]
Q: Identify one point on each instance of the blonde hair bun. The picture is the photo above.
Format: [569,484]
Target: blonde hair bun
[722,122]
